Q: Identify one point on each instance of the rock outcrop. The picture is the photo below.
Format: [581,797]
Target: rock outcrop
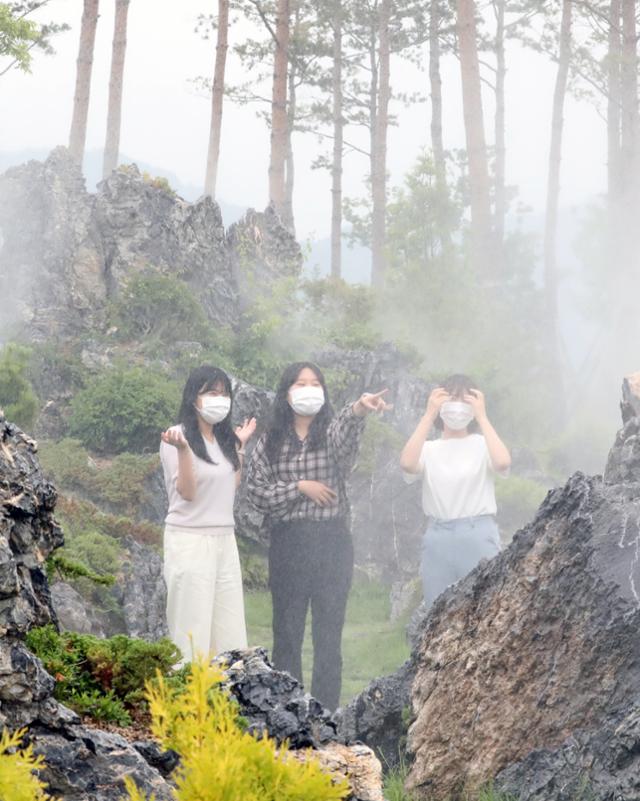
[65,253]
[529,669]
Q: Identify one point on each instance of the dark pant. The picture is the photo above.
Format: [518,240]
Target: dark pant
[311,562]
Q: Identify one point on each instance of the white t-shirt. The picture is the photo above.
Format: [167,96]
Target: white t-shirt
[215,488]
[457,478]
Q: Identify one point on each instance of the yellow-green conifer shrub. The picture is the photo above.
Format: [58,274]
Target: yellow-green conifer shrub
[17,780]
[220,761]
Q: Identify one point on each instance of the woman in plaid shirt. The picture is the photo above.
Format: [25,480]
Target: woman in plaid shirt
[297,478]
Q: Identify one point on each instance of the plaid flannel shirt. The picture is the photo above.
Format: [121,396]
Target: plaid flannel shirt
[273,488]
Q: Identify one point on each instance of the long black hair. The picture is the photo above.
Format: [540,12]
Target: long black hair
[204,379]
[281,428]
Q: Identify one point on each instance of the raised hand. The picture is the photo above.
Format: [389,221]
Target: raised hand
[475,399]
[175,437]
[318,492]
[371,402]
[437,397]
[245,431]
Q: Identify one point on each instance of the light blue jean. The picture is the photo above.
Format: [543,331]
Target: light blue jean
[452,548]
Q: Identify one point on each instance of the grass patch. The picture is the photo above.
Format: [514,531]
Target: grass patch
[371,645]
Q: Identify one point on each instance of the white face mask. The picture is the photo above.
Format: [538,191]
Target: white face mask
[214,408]
[456,415]
[306,401]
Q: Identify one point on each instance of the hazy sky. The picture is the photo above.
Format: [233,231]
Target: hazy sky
[165,122]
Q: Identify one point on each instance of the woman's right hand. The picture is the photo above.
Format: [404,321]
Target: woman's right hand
[438,396]
[318,492]
[175,437]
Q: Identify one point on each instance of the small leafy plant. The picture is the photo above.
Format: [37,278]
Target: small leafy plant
[219,760]
[102,678]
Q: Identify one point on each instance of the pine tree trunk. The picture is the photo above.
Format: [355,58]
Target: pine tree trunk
[475,138]
[279,120]
[614,100]
[435,80]
[114,113]
[553,183]
[217,97]
[500,200]
[629,97]
[287,209]
[78,133]
[338,143]
[379,161]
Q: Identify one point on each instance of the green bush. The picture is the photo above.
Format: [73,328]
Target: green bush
[160,307]
[17,397]
[124,410]
[102,678]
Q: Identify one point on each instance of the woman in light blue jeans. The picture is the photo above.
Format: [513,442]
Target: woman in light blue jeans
[458,472]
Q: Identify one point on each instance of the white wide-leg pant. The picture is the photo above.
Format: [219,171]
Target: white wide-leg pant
[205,605]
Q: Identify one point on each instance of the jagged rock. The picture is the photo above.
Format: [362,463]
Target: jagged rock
[601,764]
[87,764]
[144,592]
[537,646]
[357,764]
[274,702]
[73,611]
[65,253]
[379,715]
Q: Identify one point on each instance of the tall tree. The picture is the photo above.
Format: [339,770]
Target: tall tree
[338,142]
[217,97]
[114,113]
[78,133]
[279,119]
[500,198]
[435,81]
[614,101]
[553,182]
[379,147]
[474,133]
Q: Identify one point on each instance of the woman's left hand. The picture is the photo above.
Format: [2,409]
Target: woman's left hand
[371,402]
[475,399]
[246,430]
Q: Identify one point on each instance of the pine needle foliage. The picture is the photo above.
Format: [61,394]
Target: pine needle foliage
[17,779]
[220,761]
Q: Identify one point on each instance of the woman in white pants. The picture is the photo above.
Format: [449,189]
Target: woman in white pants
[202,460]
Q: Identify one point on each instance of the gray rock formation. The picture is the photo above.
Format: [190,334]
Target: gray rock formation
[65,253]
[529,669]
[73,611]
[144,593]
[82,764]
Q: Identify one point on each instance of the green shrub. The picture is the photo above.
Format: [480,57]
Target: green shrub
[119,482]
[218,760]
[124,410]
[17,397]
[160,307]
[102,678]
